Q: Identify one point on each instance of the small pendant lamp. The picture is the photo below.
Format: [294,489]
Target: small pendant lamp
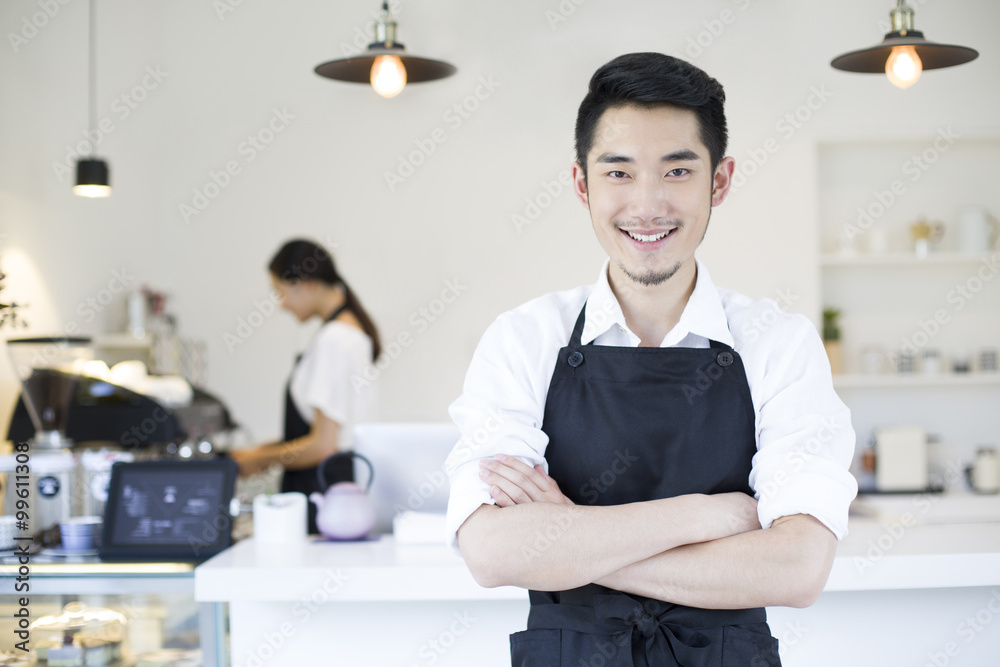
[93,178]
[903,53]
[385,65]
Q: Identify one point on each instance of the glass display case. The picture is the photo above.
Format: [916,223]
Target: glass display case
[85,612]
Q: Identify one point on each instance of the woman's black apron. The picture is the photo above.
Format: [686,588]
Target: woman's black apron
[296,426]
[630,424]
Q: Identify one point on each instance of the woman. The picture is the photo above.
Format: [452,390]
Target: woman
[321,403]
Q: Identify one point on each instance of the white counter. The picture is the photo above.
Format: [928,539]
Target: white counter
[901,586]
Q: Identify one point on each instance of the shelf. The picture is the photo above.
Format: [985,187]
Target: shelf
[903,259]
[848,381]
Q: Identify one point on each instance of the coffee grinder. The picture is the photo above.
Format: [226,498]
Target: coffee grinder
[49,370]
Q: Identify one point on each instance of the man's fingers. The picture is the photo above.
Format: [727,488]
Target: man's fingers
[519,474]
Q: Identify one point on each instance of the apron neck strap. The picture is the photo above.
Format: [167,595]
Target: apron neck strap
[574,340]
[336,313]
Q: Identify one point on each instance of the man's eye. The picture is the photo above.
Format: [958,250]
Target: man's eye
[677,172]
[617,174]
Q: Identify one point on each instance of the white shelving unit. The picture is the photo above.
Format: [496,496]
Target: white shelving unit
[891,300]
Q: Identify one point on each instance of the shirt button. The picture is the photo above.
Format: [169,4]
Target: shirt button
[575,359]
[725,359]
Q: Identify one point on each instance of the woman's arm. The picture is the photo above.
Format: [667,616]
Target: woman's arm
[304,452]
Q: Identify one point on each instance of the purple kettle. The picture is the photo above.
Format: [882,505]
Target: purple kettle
[344,511]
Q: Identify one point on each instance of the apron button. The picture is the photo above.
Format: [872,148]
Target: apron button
[725,358]
[575,359]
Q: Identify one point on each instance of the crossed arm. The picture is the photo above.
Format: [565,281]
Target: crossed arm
[698,550]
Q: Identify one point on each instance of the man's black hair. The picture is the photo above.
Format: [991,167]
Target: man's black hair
[648,80]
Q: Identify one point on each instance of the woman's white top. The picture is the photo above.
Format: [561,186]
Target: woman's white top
[330,378]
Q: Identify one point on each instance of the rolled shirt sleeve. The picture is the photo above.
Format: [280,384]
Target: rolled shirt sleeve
[805,441]
[501,408]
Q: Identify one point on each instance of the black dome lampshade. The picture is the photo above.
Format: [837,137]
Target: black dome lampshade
[93,178]
[903,53]
[385,64]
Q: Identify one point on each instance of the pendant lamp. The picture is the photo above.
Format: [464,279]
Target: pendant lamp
[93,178]
[903,53]
[385,64]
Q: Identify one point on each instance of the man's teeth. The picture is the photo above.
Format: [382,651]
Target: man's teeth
[647,238]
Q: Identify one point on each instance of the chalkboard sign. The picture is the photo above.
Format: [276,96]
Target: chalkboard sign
[168,510]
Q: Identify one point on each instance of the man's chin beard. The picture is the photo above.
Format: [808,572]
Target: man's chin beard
[650,278]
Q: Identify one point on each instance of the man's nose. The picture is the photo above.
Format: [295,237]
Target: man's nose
[650,201]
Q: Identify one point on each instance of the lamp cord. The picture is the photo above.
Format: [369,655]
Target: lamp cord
[92,79]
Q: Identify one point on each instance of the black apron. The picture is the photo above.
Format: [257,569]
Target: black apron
[306,480]
[630,424]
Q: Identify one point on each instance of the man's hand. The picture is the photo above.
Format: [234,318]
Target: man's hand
[513,482]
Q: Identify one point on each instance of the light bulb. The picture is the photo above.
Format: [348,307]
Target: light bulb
[388,76]
[92,190]
[903,66]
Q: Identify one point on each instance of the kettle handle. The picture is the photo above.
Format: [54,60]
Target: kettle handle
[342,455]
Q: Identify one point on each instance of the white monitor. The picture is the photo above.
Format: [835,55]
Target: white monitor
[408,458]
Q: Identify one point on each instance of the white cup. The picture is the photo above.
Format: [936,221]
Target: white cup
[280,518]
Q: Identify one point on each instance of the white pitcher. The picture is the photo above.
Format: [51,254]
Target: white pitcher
[977,229]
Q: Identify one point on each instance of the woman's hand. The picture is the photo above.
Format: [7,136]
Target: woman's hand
[248,461]
[513,482]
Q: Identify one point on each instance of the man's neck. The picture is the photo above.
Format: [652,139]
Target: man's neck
[651,311]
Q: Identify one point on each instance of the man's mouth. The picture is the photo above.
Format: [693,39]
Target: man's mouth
[649,238]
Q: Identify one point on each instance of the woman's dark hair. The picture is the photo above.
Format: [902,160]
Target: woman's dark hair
[304,260]
[649,80]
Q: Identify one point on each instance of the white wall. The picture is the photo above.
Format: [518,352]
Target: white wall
[323,175]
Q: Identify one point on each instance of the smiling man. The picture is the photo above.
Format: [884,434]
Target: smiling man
[662,467]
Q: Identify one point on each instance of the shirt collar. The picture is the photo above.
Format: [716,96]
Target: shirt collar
[703,314]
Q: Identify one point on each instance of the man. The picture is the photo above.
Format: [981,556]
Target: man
[642,430]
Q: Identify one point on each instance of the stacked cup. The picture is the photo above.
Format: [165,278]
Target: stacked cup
[80,533]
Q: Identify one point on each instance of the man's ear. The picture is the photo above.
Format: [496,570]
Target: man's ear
[580,185]
[722,180]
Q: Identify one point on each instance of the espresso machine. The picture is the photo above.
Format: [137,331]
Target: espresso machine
[78,426]
[49,370]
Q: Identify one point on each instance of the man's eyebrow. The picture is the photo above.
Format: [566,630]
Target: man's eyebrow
[683,155]
[612,158]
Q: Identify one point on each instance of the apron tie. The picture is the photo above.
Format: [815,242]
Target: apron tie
[662,637]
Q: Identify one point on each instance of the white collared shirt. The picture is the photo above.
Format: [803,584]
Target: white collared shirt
[805,441]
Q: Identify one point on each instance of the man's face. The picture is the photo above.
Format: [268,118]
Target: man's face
[650,189]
